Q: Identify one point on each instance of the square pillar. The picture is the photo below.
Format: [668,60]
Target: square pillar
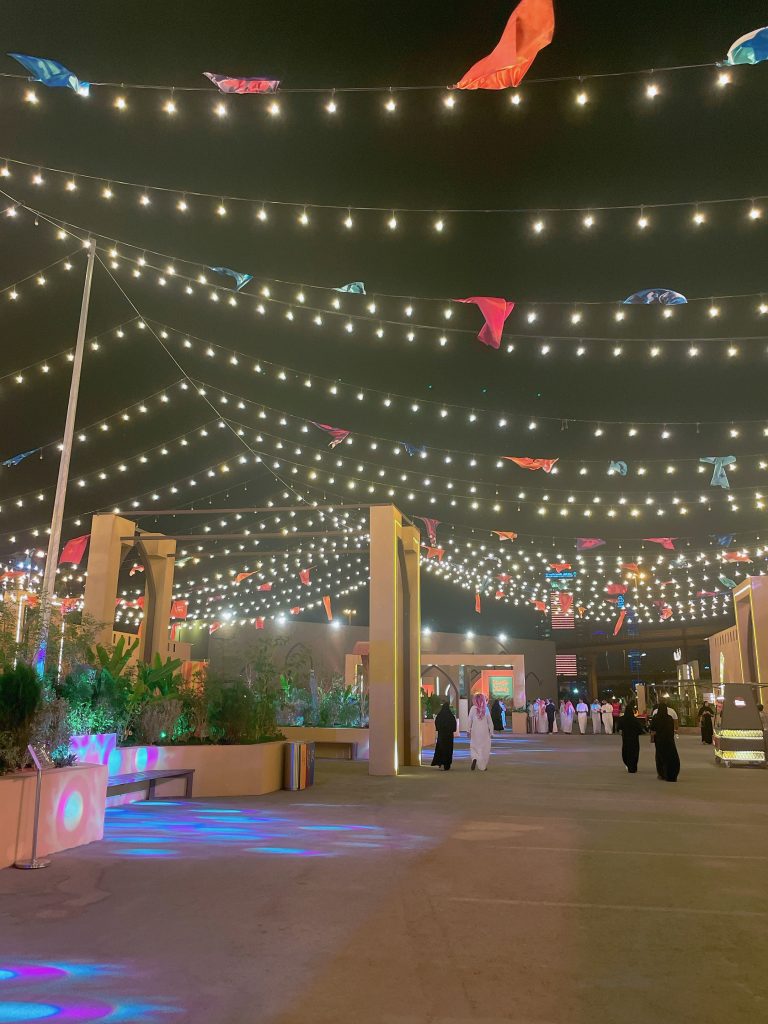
[105,555]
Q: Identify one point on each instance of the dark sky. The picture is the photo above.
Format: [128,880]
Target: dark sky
[694,142]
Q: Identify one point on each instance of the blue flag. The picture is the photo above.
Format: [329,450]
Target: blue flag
[719,476]
[724,539]
[356,287]
[51,73]
[241,280]
[16,459]
[618,467]
[413,449]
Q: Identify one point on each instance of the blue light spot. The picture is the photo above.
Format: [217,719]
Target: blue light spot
[73,811]
[141,759]
[14,1012]
[5,975]
[139,852]
[113,761]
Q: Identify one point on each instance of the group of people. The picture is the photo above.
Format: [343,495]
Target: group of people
[662,725]
[604,716]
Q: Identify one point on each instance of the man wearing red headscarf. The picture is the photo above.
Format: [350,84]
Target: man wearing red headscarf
[480,732]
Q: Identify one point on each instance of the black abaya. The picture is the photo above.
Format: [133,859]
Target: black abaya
[705,718]
[551,717]
[498,724]
[445,724]
[667,757]
[631,728]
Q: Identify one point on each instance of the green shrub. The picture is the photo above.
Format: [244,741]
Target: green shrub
[20,698]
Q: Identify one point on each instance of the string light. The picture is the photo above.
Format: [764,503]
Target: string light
[652,91]
[390,106]
[273,109]
[516,98]
[170,107]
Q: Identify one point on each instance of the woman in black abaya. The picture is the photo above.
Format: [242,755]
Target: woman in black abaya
[705,720]
[496,716]
[630,728]
[663,735]
[445,724]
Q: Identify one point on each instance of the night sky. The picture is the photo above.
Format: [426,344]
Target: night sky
[694,142]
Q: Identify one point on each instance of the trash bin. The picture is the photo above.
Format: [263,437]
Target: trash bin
[298,765]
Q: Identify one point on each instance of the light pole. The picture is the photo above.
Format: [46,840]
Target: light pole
[349,612]
[51,562]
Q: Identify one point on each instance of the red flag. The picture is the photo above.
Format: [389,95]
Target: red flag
[736,556]
[74,550]
[13,574]
[666,542]
[505,534]
[264,586]
[566,602]
[295,610]
[436,553]
[478,607]
[431,526]
[32,600]
[620,621]
[226,83]
[666,612]
[327,606]
[588,543]
[336,433]
[616,588]
[504,577]
[559,566]
[68,604]
[244,576]
[179,609]
[545,464]
[136,568]
[495,312]
[632,567]
[540,606]
[529,29]
[304,576]
[259,622]
[214,626]
[499,594]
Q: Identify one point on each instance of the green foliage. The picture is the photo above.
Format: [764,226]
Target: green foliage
[20,697]
[115,661]
[160,679]
[241,712]
[156,720]
[51,727]
[336,705]
[98,702]
[430,704]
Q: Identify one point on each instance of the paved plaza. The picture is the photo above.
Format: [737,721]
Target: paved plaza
[553,888]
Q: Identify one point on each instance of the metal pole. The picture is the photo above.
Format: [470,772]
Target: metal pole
[51,562]
[33,863]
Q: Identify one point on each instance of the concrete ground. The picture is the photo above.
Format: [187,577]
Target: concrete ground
[553,888]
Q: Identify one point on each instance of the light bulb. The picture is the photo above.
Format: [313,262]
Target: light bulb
[449,101]
[655,351]
[575,318]
[642,222]
[144,199]
[182,206]
[515,99]
[106,192]
[390,105]
[170,107]
[667,313]
[330,106]
[699,218]
[755,213]
[5,171]
[71,185]
[732,350]
[220,110]
[652,91]
[348,222]
[538,226]
[588,221]
[531,317]
[392,223]
[30,96]
[262,214]
[120,103]
[439,224]
[221,210]
[723,79]
[582,99]
[693,351]
[713,311]
[273,109]
[762,309]
[620,314]
[303,218]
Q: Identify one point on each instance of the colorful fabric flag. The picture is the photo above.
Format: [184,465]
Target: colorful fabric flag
[74,549]
[632,567]
[327,606]
[68,604]
[724,540]
[530,28]
[617,467]
[242,86]
[295,610]
[706,593]
[719,476]
[560,566]
[588,543]
[16,459]
[495,312]
[666,542]
[412,449]
[244,576]
[505,534]
[259,623]
[666,612]
[241,280]
[336,433]
[431,526]
[619,622]
[304,576]
[264,586]
[436,553]
[655,296]
[51,73]
[532,464]
[478,605]
[13,574]
[539,606]
[499,595]
[354,288]
[566,602]
[730,584]
[616,588]
[736,556]
[751,48]
[179,609]
[504,577]
[135,568]
[214,626]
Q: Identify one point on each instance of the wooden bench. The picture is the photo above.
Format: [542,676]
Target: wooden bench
[138,780]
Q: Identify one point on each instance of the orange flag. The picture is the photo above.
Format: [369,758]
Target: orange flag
[529,29]
[478,606]
[505,534]
[327,606]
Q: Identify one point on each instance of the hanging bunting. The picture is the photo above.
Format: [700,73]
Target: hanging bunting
[68,605]
[751,48]
[259,623]
[244,576]
[327,606]
[530,28]
[242,86]
[135,568]
[736,556]
[296,610]
[179,609]
[631,567]
[666,542]
[431,526]
[13,574]
[16,459]
[617,467]
[354,288]
[336,433]
[665,613]
[412,449]
[539,605]
[51,73]
[505,534]
[532,464]
[241,280]
[264,586]
[588,543]
[719,476]
[504,577]
[619,622]
[499,594]
[495,312]
[304,576]
[436,553]
[560,566]
[656,296]
[566,602]
[730,584]
[478,605]
[616,588]
[74,549]
[724,540]
[214,626]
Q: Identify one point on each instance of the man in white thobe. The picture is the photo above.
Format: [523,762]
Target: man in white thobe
[582,710]
[594,714]
[606,713]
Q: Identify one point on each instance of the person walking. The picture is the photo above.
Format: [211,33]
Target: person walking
[543,722]
[594,714]
[663,728]
[496,716]
[582,711]
[551,711]
[706,715]
[480,733]
[567,712]
[445,725]
[616,708]
[606,713]
[630,727]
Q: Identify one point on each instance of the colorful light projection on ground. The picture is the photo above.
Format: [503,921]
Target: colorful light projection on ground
[74,992]
[163,829]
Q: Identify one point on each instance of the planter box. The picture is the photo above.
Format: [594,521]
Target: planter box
[72,805]
[428,733]
[245,769]
[517,723]
[331,742]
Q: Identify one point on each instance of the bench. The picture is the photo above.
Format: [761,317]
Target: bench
[336,750]
[138,780]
